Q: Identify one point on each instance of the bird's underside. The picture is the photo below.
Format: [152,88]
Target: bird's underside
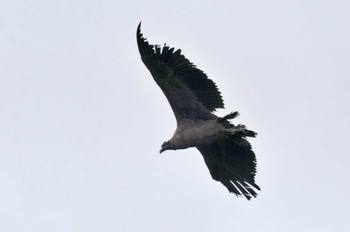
[193,97]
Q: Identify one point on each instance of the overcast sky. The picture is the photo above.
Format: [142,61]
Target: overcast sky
[82,121]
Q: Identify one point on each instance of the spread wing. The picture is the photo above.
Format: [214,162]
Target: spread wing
[232,162]
[189,91]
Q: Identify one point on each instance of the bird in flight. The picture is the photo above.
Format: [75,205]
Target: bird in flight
[193,97]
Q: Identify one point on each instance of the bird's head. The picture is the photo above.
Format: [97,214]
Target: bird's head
[166,146]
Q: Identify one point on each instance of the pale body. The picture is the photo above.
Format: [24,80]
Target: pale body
[190,133]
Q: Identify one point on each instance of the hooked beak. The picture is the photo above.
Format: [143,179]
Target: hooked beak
[161,150]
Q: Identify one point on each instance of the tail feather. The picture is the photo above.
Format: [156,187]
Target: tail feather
[229,116]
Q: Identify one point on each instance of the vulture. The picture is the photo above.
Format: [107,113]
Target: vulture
[193,98]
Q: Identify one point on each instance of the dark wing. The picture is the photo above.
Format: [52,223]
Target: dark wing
[232,162]
[189,91]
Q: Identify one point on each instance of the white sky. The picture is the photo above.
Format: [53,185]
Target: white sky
[82,121]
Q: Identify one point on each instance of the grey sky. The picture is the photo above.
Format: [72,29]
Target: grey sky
[82,121]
